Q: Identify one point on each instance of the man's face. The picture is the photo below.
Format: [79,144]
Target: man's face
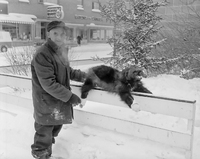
[58,36]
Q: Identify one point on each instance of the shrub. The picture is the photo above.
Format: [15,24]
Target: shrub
[19,59]
[136,25]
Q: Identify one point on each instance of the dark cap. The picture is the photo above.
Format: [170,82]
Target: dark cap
[56,24]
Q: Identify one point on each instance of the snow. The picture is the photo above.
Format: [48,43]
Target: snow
[77,141]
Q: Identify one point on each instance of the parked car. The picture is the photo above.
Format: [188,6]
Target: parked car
[5,41]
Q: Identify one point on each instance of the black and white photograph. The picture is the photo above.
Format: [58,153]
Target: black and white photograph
[99,79]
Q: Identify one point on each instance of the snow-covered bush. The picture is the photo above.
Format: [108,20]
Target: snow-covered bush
[136,25]
[19,59]
[139,29]
[182,45]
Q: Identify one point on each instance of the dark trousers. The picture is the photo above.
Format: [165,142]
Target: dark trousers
[44,137]
[79,42]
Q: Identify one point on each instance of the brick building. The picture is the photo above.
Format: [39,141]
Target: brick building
[27,19]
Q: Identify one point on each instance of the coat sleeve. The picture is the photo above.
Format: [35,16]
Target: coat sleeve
[77,75]
[46,76]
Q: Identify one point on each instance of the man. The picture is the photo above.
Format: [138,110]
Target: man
[79,40]
[52,97]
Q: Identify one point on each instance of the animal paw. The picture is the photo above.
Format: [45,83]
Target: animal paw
[129,100]
[84,95]
[135,106]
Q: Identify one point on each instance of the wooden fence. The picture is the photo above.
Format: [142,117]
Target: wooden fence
[149,103]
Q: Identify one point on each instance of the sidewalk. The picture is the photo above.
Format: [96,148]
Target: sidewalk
[93,46]
[90,50]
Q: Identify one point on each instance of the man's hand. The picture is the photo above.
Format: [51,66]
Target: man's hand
[74,100]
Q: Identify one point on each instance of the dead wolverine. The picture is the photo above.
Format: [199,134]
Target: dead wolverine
[115,81]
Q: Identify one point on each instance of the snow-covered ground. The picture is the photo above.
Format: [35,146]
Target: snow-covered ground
[78,141]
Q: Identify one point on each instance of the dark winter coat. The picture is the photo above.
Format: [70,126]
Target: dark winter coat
[51,90]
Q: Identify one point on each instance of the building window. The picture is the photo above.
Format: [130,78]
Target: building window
[95,6]
[26,1]
[70,34]
[109,34]
[50,2]
[12,28]
[41,1]
[18,31]
[80,5]
[97,35]
[3,7]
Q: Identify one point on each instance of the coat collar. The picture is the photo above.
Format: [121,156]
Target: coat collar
[52,45]
[57,52]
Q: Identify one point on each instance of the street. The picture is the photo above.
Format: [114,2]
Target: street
[80,53]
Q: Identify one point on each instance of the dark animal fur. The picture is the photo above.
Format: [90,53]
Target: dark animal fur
[112,80]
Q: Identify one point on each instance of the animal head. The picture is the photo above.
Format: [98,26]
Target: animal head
[134,73]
